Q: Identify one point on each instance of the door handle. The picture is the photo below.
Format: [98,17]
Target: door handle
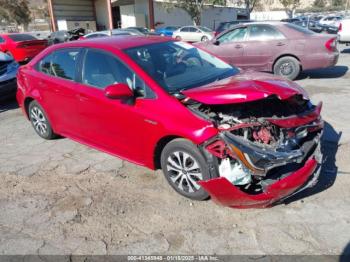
[238,46]
[280,44]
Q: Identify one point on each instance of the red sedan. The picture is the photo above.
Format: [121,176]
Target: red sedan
[246,140]
[22,47]
[282,48]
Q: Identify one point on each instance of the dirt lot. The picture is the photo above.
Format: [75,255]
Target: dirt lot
[60,197]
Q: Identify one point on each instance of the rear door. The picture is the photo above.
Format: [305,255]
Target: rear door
[231,46]
[264,43]
[56,82]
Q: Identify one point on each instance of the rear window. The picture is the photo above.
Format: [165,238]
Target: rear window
[22,37]
[300,29]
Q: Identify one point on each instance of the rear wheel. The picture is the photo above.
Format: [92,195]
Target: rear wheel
[183,166]
[288,67]
[178,38]
[204,38]
[40,121]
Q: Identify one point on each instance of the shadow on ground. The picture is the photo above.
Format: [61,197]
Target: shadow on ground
[7,105]
[330,72]
[329,148]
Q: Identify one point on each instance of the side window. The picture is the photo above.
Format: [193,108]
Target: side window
[64,63]
[263,32]
[235,35]
[185,29]
[2,40]
[193,29]
[101,70]
[44,65]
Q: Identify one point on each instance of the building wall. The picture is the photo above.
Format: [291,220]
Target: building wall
[101,14]
[211,16]
[77,10]
[268,15]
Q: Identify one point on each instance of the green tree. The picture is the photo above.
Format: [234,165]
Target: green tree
[320,3]
[194,7]
[16,12]
[290,6]
[338,3]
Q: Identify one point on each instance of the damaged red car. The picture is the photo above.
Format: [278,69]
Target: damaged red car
[245,139]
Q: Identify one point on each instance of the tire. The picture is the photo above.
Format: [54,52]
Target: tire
[178,38]
[40,121]
[288,67]
[182,177]
[204,38]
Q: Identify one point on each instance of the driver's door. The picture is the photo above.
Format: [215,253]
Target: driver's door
[112,125]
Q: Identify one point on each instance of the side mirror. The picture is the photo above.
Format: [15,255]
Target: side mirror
[118,91]
[216,42]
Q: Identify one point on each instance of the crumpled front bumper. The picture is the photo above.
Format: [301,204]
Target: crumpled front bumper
[225,193]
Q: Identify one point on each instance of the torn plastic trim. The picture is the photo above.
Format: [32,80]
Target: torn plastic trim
[260,159]
[297,120]
[225,193]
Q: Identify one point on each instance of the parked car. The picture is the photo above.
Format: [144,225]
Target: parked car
[105,33]
[245,139]
[344,31]
[166,31]
[193,34]
[223,26]
[282,48]
[22,47]
[8,71]
[62,36]
[140,30]
[331,20]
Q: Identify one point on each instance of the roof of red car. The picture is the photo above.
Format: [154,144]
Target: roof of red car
[121,42]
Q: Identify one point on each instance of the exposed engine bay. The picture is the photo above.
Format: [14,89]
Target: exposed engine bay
[262,141]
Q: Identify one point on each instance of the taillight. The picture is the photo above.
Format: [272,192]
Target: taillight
[216,33]
[340,27]
[331,44]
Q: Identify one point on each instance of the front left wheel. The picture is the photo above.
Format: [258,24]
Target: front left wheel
[40,121]
[183,166]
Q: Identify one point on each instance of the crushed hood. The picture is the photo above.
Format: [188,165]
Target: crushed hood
[244,87]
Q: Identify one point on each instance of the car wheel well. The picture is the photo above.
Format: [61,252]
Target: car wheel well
[285,55]
[27,102]
[159,148]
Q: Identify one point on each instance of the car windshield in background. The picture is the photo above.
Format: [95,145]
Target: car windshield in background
[204,29]
[177,66]
[21,37]
[300,29]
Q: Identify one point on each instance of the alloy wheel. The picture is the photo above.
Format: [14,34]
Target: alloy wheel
[39,120]
[184,171]
[286,69]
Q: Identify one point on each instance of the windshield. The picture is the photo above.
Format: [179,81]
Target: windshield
[178,66]
[21,37]
[204,29]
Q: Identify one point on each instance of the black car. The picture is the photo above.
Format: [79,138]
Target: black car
[227,25]
[62,36]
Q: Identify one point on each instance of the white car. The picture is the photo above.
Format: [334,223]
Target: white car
[193,34]
[344,31]
[331,20]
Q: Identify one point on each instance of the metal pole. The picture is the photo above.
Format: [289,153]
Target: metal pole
[110,15]
[151,14]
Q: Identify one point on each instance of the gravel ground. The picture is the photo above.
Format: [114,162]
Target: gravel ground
[60,197]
